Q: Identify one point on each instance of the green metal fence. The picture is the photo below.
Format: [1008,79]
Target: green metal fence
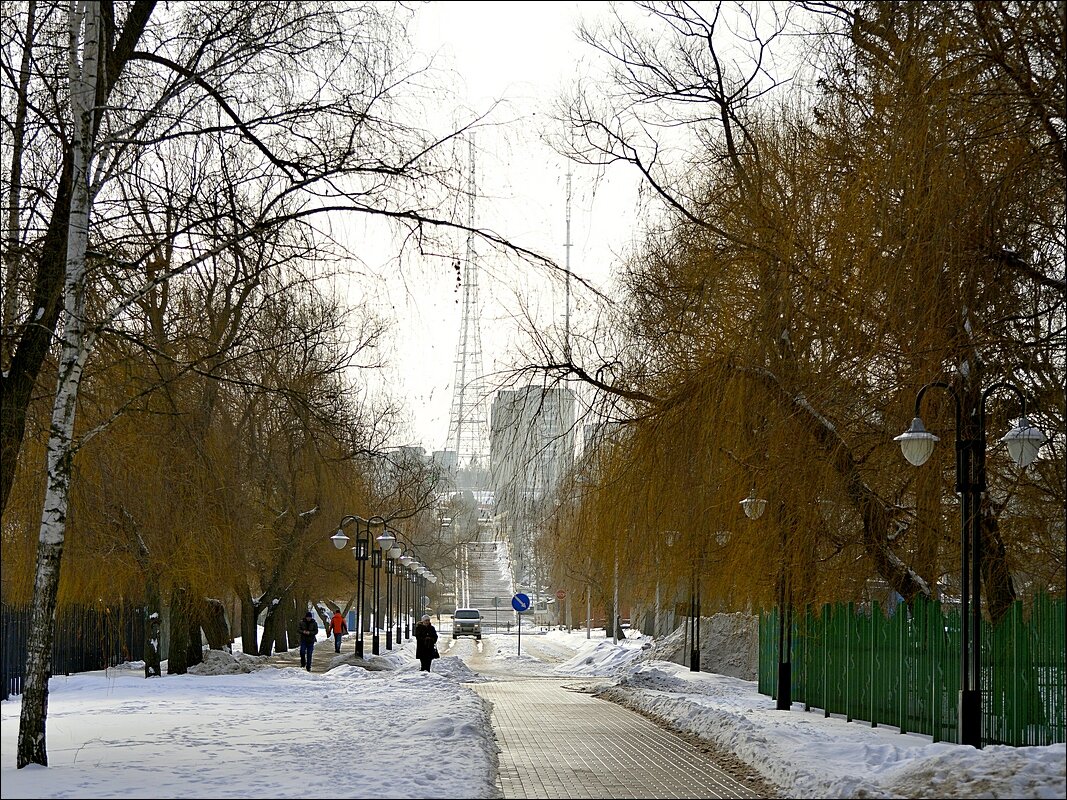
[903,668]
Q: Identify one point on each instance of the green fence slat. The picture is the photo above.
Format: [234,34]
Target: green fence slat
[903,668]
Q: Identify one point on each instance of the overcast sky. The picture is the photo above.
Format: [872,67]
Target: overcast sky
[521,53]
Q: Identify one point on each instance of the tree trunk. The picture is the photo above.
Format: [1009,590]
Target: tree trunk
[195,652]
[270,629]
[153,647]
[216,629]
[249,618]
[279,627]
[998,587]
[929,500]
[178,662]
[76,342]
[293,616]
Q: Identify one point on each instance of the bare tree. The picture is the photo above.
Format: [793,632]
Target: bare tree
[309,98]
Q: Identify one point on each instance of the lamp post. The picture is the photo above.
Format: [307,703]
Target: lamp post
[694,620]
[1023,443]
[399,571]
[413,573]
[361,550]
[385,543]
[615,598]
[431,579]
[376,566]
[424,598]
[588,611]
[692,623]
[754,508]
[405,582]
[389,569]
[657,625]
[415,613]
[394,562]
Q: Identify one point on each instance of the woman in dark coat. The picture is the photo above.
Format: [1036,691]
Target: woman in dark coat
[425,642]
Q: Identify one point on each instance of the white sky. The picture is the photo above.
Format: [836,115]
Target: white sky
[400,733]
[521,53]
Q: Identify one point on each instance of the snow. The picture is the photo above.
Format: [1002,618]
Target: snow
[237,725]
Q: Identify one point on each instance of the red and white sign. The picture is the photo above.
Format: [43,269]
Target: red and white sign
[560,594]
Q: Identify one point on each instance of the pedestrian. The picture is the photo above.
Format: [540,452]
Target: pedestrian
[308,629]
[338,628]
[425,642]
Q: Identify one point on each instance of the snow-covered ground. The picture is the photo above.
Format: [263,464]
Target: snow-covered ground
[236,727]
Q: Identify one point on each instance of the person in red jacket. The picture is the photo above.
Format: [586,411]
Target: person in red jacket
[338,628]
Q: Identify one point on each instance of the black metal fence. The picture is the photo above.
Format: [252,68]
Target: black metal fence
[86,639]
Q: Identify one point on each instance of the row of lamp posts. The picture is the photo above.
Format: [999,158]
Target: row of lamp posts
[917,444]
[1023,443]
[399,562]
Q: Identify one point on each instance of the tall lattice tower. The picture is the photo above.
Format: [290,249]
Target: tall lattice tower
[467,423]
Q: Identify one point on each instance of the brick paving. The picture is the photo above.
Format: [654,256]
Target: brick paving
[558,743]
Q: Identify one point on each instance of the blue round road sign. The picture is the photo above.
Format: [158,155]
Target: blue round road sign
[520,602]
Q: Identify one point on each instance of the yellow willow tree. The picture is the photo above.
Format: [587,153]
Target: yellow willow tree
[827,256]
[180,501]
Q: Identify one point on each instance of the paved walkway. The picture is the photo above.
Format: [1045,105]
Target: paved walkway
[560,743]
[557,743]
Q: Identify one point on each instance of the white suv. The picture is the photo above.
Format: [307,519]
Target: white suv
[467,622]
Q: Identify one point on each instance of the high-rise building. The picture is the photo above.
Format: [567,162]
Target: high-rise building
[531,448]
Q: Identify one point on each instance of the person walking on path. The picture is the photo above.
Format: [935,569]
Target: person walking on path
[425,642]
[338,628]
[308,629]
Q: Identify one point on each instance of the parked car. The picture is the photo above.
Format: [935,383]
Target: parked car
[467,622]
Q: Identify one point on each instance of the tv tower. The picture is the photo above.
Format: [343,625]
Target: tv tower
[467,424]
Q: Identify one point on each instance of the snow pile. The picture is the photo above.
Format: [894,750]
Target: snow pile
[729,645]
[219,662]
[454,668]
[602,657]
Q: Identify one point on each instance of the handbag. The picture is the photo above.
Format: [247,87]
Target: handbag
[435,653]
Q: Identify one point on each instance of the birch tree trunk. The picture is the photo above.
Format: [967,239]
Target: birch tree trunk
[85,41]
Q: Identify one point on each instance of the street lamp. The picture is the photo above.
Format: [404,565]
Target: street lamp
[361,550]
[754,508]
[431,579]
[412,590]
[657,625]
[405,563]
[422,573]
[1023,443]
[395,569]
[376,566]
[389,570]
[385,542]
[694,618]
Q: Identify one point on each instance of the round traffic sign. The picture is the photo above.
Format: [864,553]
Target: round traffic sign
[520,602]
[560,594]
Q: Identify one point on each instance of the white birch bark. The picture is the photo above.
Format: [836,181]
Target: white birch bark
[84,64]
